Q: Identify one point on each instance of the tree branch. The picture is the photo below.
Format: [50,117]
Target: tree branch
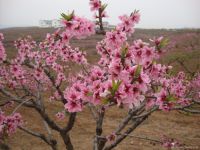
[16,99]
[127,119]
[124,135]
[70,123]
[143,138]
[50,122]
[99,142]
[50,142]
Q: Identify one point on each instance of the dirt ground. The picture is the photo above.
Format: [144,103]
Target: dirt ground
[183,127]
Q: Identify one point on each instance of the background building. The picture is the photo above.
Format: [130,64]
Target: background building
[50,23]
[56,23]
[45,23]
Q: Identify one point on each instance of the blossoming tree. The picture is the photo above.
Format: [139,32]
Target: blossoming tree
[127,76]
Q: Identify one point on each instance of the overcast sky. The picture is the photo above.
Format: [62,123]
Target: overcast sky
[154,13]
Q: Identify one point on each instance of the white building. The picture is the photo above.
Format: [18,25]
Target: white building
[105,24]
[50,23]
[111,26]
[57,23]
[45,23]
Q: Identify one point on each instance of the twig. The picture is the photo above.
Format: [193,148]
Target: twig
[142,138]
[50,142]
[14,98]
[125,134]
[125,121]
[93,110]
[21,104]
[145,114]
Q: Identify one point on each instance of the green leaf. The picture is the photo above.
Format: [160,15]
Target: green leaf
[115,86]
[105,101]
[164,42]
[135,11]
[68,17]
[124,51]
[138,71]
[103,7]
[89,94]
[171,98]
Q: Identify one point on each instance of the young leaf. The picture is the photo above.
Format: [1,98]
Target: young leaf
[68,17]
[171,98]
[103,7]
[138,71]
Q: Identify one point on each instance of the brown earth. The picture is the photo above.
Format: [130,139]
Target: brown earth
[183,127]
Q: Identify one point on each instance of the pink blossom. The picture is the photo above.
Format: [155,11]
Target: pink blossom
[115,39]
[60,115]
[95,5]
[2,49]
[135,17]
[170,143]
[60,78]
[1,37]
[9,123]
[73,106]
[17,71]
[126,74]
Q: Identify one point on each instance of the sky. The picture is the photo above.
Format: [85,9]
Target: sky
[154,13]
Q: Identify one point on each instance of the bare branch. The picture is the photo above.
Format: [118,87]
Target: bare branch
[146,113]
[101,21]
[39,135]
[185,67]
[5,103]
[70,123]
[127,119]
[193,111]
[197,102]
[67,141]
[50,122]
[48,129]
[188,109]
[16,99]
[20,105]
[50,142]
[93,110]
[51,78]
[143,138]
[99,142]
[124,135]
[137,120]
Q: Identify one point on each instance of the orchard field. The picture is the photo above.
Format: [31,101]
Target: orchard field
[184,127]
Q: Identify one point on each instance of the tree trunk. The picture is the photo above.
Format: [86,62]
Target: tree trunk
[67,141]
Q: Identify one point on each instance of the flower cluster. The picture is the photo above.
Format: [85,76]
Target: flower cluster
[128,74]
[127,22]
[76,27]
[195,85]
[172,92]
[98,8]
[170,143]
[31,65]
[95,5]
[60,115]
[9,124]
[2,49]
